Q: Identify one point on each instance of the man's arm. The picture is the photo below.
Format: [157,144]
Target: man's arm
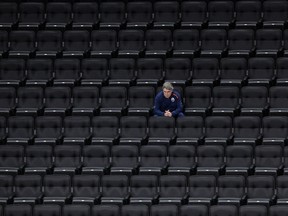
[179,108]
[157,110]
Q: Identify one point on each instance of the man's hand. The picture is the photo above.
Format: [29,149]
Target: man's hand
[167,113]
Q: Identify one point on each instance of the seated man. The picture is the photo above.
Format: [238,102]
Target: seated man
[168,102]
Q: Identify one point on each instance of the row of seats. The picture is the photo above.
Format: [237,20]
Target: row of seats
[148,159]
[153,42]
[142,210]
[145,189]
[247,130]
[145,71]
[139,100]
[143,14]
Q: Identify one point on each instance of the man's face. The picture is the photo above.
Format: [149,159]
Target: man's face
[167,93]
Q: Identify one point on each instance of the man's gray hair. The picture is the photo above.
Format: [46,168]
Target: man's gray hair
[168,85]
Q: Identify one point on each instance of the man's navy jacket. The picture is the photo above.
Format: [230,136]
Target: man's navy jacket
[173,104]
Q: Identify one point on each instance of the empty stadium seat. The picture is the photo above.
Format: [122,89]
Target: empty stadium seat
[18,209]
[247,130]
[47,210]
[133,130]
[114,189]
[139,14]
[31,15]
[7,100]
[76,130]
[58,15]
[225,100]
[30,101]
[202,189]
[194,14]
[153,159]
[281,183]
[164,209]
[131,43]
[113,100]
[39,72]
[150,71]
[105,210]
[281,71]
[213,42]
[205,71]
[182,159]
[210,159]
[96,159]
[74,209]
[218,130]
[268,159]
[141,100]
[94,72]
[12,159]
[254,100]
[278,210]
[85,15]
[223,209]
[221,14]
[3,42]
[178,71]
[66,72]
[274,129]
[49,43]
[158,42]
[48,129]
[268,42]
[9,15]
[185,42]
[2,129]
[28,189]
[166,14]
[112,15]
[135,210]
[122,71]
[86,189]
[231,190]
[248,14]
[260,189]
[104,43]
[6,188]
[20,130]
[197,100]
[274,14]
[278,104]
[57,189]
[12,72]
[261,71]
[241,42]
[76,43]
[124,159]
[85,100]
[173,189]
[161,130]
[144,189]
[67,159]
[57,100]
[189,130]
[233,71]
[197,210]
[239,159]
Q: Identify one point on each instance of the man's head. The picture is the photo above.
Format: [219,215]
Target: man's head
[167,89]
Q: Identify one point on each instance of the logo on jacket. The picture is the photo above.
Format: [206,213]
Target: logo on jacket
[173,99]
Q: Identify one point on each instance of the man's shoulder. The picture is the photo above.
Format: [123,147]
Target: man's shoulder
[159,95]
[176,94]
